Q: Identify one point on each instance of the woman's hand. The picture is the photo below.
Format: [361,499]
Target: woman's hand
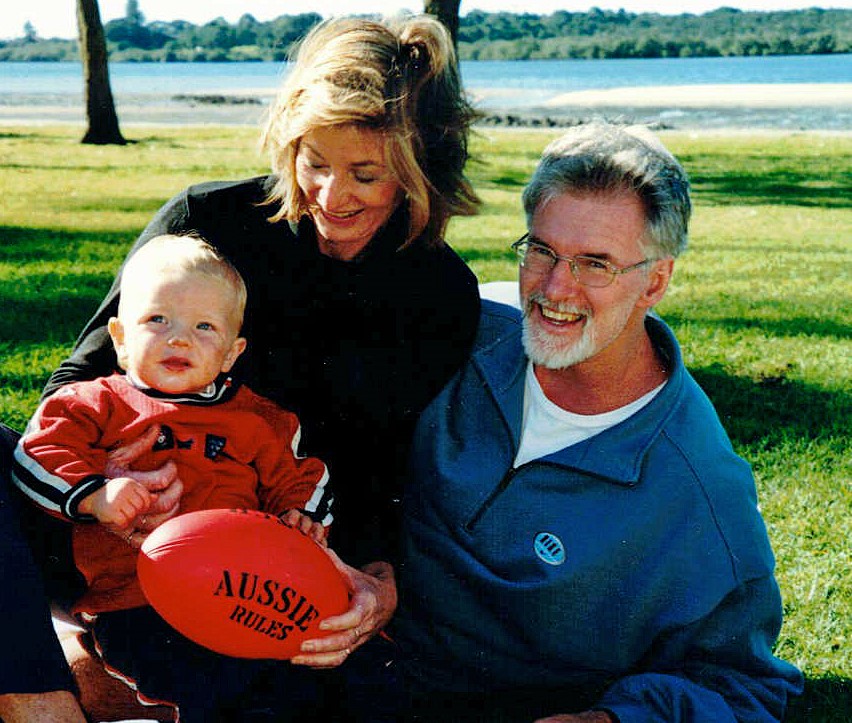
[163,483]
[372,605]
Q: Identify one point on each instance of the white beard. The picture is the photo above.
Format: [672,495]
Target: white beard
[551,351]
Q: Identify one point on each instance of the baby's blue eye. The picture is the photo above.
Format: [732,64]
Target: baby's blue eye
[204,325]
[157,319]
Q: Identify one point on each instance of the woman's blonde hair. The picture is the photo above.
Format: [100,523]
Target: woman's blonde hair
[398,77]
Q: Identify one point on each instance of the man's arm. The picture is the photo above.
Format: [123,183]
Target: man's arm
[721,668]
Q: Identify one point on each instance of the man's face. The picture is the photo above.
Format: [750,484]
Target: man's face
[566,323]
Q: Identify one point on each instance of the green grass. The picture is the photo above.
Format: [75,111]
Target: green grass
[760,303]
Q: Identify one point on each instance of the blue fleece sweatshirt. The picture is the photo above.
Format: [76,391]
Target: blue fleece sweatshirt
[630,572]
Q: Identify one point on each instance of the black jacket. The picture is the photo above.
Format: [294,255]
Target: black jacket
[356,349]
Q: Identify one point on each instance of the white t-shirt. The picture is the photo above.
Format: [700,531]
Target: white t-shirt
[547,428]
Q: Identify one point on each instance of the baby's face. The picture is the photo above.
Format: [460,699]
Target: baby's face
[178,332]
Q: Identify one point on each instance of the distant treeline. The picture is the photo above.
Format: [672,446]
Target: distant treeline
[482,36]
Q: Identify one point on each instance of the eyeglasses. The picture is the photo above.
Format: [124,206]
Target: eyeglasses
[588,270]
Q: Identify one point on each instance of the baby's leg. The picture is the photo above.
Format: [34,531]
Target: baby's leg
[163,665]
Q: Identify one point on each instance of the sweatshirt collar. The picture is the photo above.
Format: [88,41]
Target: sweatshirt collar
[219,390]
[616,454]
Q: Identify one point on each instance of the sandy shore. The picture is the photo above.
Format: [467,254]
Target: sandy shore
[778,106]
[827,95]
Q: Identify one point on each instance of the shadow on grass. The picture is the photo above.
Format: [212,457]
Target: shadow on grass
[54,301]
[470,255]
[782,187]
[770,409]
[825,700]
[779,327]
[803,253]
[7,135]
[506,182]
[58,317]
[21,244]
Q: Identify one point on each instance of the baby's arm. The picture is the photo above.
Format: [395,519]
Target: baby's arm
[118,502]
[290,485]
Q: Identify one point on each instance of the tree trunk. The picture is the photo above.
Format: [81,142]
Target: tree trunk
[447,11]
[100,108]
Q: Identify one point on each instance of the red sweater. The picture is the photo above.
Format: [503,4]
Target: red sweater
[238,450]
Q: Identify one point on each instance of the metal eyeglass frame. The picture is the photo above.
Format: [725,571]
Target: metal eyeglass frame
[523,243]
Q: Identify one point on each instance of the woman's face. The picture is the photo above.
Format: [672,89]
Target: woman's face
[349,190]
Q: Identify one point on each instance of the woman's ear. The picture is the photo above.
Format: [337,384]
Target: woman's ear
[116,332]
[237,348]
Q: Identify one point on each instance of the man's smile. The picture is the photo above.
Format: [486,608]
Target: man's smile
[557,316]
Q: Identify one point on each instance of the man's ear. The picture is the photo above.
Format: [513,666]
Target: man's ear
[116,332]
[658,282]
[237,348]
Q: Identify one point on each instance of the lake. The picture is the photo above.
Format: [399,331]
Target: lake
[529,75]
[56,88]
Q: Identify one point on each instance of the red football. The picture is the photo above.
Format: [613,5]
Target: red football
[240,582]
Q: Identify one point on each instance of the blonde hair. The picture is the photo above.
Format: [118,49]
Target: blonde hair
[187,253]
[398,77]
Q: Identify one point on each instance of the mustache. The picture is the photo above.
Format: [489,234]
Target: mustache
[537,297]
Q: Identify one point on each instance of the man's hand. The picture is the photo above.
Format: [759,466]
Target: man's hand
[371,607]
[591,716]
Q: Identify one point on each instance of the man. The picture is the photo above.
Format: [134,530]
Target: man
[582,543]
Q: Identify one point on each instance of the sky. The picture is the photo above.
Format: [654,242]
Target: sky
[56,18]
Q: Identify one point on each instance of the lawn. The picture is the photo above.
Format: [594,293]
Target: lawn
[760,302]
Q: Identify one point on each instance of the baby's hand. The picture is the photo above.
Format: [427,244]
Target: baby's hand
[306,526]
[118,502]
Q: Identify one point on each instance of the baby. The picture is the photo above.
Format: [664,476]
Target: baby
[177,335]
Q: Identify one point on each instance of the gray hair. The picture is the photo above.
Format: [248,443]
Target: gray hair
[602,158]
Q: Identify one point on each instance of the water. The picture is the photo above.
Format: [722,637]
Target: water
[570,75]
[146,91]
[550,76]
[540,79]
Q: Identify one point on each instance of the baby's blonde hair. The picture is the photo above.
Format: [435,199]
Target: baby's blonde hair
[188,253]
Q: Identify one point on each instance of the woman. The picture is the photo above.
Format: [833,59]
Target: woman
[358,312]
